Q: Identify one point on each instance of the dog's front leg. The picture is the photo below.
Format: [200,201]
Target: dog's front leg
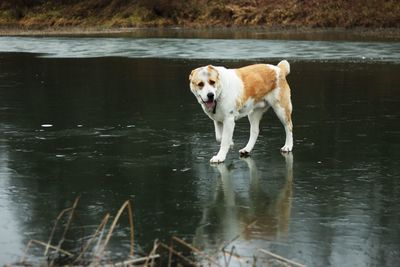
[218,130]
[226,140]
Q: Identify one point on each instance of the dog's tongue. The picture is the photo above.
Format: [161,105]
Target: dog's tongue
[210,104]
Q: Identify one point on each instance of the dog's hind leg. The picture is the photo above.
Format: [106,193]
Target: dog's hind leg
[254,119]
[285,116]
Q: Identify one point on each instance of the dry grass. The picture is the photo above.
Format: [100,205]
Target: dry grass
[177,253]
[91,252]
[199,13]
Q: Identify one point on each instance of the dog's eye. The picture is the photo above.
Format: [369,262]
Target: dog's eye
[211,82]
[200,84]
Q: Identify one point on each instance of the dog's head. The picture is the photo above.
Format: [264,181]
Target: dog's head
[205,85]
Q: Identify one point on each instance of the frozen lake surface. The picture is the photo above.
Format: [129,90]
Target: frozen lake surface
[198,48]
[112,119]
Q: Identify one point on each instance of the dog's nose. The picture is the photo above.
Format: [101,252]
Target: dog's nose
[210,96]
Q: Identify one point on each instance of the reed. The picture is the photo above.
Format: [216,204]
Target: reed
[177,253]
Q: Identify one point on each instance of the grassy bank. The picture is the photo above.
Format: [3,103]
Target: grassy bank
[109,14]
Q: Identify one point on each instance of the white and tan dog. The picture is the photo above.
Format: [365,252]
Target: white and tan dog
[230,94]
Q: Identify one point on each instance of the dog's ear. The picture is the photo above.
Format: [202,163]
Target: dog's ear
[192,74]
[211,68]
[213,73]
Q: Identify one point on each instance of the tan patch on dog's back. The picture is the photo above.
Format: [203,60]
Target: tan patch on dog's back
[258,81]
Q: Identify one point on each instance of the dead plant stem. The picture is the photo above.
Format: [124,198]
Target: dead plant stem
[280,257]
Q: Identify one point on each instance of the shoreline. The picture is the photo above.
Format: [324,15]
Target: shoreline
[300,33]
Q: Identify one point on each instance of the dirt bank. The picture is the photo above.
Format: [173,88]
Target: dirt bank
[110,14]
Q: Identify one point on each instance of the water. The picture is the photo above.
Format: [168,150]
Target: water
[98,118]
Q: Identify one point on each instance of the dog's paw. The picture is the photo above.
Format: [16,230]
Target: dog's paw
[286,149]
[216,159]
[244,153]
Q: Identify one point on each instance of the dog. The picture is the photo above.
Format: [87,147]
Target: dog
[227,95]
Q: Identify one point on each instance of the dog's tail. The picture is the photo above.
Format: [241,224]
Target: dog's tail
[285,67]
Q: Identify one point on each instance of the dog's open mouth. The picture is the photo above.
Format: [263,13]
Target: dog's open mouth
[210,104]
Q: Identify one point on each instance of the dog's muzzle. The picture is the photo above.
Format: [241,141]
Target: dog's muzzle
[211,105]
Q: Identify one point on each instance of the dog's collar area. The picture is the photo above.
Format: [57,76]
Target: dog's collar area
[215,107]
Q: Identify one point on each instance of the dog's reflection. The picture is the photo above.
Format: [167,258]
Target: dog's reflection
[246,205]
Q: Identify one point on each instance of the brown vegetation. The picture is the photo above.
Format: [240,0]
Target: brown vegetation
[37,14]
[90,250]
